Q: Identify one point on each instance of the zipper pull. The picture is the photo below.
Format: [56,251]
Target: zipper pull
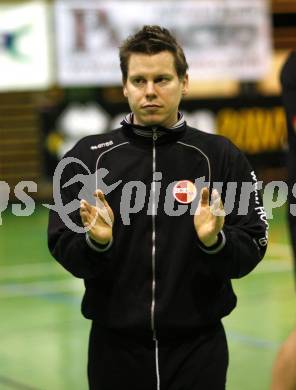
[155,136]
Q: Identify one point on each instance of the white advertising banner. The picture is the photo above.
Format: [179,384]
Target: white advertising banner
[24,46]
[228,39]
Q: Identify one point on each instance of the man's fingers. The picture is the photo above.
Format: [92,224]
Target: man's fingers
[99,194]
[101,202]
[217,208]
[103,207]
[89,214]
[104,215]
[215,195]
[86,213]
[204,196]
[100,198]
[83,208]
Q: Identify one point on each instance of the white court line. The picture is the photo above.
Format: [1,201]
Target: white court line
[39,288]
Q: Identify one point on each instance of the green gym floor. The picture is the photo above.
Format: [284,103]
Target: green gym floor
[43,337]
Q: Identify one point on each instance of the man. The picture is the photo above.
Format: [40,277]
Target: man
[288,82]
[284,373]
[157,263]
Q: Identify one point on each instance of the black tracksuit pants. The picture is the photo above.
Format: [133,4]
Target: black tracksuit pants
[119,362]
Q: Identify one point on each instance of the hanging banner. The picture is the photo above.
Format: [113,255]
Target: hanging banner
[24,46]
[221,39]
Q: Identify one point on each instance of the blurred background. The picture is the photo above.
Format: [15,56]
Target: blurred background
[59,81]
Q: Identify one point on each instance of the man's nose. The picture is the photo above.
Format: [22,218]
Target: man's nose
[150,89]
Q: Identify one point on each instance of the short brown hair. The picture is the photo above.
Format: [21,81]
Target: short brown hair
[152,40]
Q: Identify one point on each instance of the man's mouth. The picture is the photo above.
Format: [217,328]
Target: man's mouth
[151,106]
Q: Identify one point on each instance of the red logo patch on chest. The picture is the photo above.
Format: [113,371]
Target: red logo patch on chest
[184,191]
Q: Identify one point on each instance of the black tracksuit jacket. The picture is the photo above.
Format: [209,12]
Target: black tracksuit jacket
[157,277]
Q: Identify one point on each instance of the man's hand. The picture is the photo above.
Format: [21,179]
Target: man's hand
[209,220]
[99,218]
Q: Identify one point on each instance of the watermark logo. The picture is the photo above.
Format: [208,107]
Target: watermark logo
[64,205]
[73,182]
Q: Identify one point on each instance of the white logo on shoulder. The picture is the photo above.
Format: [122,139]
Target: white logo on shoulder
[102,145]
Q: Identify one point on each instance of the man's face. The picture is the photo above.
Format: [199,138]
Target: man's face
[153,89]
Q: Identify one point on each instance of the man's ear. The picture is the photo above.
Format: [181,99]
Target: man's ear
[185,84]
[124,89]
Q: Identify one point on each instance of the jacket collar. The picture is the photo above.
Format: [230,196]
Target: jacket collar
[150,131]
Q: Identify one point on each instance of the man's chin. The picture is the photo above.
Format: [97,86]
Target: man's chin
[152,121]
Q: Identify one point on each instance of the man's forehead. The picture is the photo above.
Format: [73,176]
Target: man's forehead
[161,63]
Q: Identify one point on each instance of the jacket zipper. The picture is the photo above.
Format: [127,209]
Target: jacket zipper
[153,258]
[153,236]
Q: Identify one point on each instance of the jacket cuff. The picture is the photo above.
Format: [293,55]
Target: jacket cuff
[217,247]
[96,246]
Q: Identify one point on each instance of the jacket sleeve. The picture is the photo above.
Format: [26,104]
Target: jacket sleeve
[243,240]
[73,250]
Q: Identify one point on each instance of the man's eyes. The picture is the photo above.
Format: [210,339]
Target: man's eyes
[162,79]
[141,81]
[138,81]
